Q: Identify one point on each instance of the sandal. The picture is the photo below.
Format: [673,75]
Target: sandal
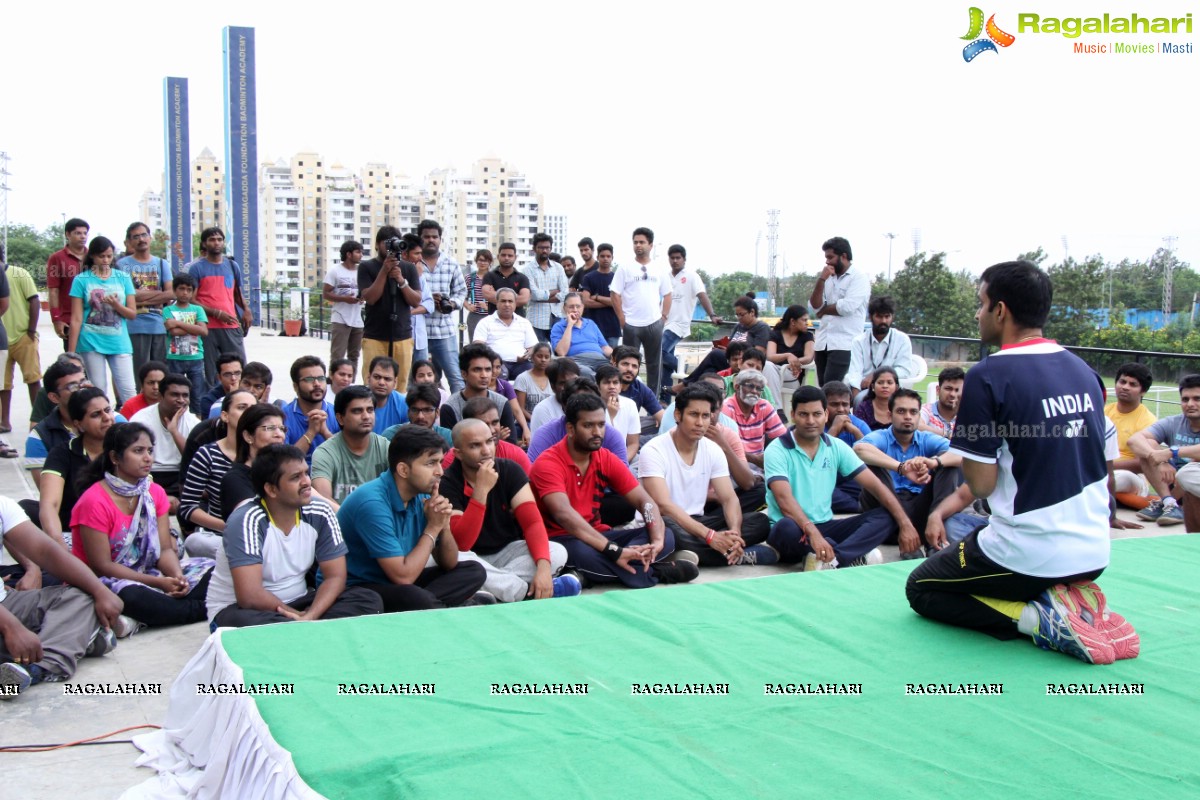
[6,451]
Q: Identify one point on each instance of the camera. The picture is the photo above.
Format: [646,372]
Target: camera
[395,247]
[443,304]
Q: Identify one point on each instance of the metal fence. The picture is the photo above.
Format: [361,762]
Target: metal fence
[276,303]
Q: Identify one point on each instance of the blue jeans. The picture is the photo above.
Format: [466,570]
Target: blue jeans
[194,372]
[444,353]
[96,365]
[670,364]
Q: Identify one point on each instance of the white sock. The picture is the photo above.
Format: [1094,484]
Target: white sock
[1028,623]
[1169,502]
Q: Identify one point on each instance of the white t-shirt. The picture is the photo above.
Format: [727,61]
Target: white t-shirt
[626,422]
[509,341]
[547,411]
[11,516]
[166,454]
[344,282]
[685,288]
[688,485]
[642,292]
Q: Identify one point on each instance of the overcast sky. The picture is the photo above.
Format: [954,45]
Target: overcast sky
[853,119]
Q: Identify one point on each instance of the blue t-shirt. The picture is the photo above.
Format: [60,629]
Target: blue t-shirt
[587,339]
[376,523]
[863,428]
[641,395]
[297,425]
[392,412]
[103,329]
[923,444]
[154,275]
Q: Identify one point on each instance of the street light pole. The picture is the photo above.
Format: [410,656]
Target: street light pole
[890,237]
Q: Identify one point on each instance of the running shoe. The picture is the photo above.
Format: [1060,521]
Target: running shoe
[813,564]
[875,557]
[567,585]
[1089,600]
[1152,512]
[1171,515]
[1061,628]
[14,679]
[761,555]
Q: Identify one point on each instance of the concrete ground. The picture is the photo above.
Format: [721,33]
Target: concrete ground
[46,715]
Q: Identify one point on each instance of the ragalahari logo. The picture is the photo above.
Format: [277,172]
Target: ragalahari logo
[995,36]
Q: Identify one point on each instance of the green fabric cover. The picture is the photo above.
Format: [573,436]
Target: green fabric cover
[848,626]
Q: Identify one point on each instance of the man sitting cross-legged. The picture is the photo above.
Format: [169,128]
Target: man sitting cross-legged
[679,468]
[802,468]
[270,544]
[568,479]
[395,523]
[500,523]
[1163,449]
[1130,415]
[841,422]
[915,465]
[355,455]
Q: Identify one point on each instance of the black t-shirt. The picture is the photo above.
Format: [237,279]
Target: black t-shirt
[599,284]
[577,278]
[377,322]
[796,349]
[757,335]
[500,527]
[516,281]
[235,488]
[67,461]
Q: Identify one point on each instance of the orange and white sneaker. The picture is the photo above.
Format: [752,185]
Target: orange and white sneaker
[1090,603]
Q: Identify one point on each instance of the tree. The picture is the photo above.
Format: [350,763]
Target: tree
[724,289]
[30,249]
[1078,292]
[932,300]
[159,242]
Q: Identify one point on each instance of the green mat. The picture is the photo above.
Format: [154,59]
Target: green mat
[845,627]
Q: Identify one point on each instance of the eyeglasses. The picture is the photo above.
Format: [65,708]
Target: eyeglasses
[272,428]
[231,375]
[74,386]
[311,379]
[413,410]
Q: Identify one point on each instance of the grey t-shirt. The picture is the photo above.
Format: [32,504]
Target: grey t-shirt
[1175,432]
[345,471]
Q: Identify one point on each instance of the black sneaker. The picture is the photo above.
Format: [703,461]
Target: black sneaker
[481,598]
[676,571]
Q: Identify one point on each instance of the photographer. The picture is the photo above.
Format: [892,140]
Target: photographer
[390,290]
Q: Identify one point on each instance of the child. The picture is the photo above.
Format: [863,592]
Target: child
[533,385]
[186,325]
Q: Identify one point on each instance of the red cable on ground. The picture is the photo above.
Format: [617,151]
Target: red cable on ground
[43,748]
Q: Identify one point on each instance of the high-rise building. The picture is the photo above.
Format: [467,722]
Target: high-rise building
[150,210]
[208,192]
[281,226]
[556,226]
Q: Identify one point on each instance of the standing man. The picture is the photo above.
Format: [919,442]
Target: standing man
[506,276]
[61,269]
[1030,570]
[219,293]
[391,288]
[586,249]
[444,278]
[309,418]
[840,299]
[596,290]
[356,454]
[20,323]
[686,289]
[151,278]
[882,346]
[641,295]
[568,265]
[547,285]
[938,417]
[340,289]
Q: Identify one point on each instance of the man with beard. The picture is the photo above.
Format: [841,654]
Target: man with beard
[355,454]
[547,286]
[840,298]
[390,288]
[882,346]
[641,295]
[444,279]
[506,276]
[586,248]
[938,417]
[309,418]
[219,293]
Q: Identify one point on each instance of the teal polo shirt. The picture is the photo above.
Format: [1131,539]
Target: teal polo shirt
[812,480]
[376,524]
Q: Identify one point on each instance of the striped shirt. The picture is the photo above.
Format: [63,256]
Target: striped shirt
[757,427]
[202,483]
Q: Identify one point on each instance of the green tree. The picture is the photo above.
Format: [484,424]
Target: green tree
[159,242]
[1078,292]
[932,300]
[29,248]
[724,289]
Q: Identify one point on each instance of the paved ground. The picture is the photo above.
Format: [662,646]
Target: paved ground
[46,715]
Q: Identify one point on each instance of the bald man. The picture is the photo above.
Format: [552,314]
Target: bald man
[497,522]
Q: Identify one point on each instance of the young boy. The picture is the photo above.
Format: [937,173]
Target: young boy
[186,325]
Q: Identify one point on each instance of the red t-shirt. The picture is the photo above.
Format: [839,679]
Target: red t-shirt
[503,450]
[134,405]
[555,471]
[61,269]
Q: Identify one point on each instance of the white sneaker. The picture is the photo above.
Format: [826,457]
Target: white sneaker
[684,555]
[812,563]
[127,626]
[873,557]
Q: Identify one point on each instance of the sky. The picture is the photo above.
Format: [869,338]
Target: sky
[856,119]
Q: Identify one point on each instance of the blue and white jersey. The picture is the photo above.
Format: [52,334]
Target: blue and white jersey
[1037,412]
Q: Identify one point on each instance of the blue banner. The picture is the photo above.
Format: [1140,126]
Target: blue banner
[241,157]
[177,187]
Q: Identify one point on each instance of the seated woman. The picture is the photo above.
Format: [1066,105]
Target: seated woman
[423,373]
[873,410]
[789,351]
[92,415]
[533,385]
[578,337]
[749,329]
[260,425]
[120,530]
[200,500]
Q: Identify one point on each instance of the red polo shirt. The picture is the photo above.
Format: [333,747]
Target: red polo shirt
[555,471]
[61,269]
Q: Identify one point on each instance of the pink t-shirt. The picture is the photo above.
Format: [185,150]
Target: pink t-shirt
[96,509]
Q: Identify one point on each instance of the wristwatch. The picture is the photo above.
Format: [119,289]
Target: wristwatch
[1174,452]
[938,459]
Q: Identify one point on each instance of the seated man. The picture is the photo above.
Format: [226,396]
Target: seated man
[171,422]
[62,379]
[882,346]
[482,409]
[390,406]
[256,379]
[578,337]
[422,400]
[621,411]
[229,375]
[753,358]
[43,632]
[508,334]
[802,468]
[560,372]
[916,466]
[758,422]
[554,431]
[475,361]
[398,521]
[148,376]
[1130,415]
[309,418]
[843,424]
[680,468]
[1165,447]
[568,480]
[500,524]
[355,454]
[270,544]
[629,361]
[938,417]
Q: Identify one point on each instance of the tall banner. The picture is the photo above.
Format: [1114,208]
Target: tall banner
[241,157]
[177,187]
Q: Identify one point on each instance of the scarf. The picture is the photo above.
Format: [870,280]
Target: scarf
[145,517]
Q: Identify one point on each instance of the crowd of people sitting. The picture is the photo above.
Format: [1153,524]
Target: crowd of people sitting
[545,466]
